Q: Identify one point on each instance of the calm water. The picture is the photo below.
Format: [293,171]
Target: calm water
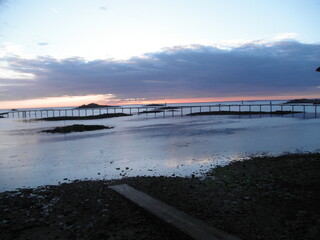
[143,145]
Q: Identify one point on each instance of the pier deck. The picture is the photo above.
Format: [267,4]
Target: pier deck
[174,110]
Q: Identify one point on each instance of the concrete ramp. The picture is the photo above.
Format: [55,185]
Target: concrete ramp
[184,223]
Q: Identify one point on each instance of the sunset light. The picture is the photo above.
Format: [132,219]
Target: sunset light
[201,115]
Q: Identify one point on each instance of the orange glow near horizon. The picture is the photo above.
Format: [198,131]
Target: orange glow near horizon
[217,99]
[64,101]
[110,99]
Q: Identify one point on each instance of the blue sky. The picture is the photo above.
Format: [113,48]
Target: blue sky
[43,36]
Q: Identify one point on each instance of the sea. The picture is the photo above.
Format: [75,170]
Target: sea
[147,145]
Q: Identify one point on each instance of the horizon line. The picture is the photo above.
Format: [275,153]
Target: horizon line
[167,101]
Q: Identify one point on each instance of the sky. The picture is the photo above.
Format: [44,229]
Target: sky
[73,52]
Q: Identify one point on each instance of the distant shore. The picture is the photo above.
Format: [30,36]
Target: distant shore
[94,105]
[313,101]
[243,113]
[260,198]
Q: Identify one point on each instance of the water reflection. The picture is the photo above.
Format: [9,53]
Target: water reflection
[142,145]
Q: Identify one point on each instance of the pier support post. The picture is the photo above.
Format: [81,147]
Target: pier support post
[292,107]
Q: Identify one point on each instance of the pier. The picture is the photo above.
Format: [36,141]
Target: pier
[173,110]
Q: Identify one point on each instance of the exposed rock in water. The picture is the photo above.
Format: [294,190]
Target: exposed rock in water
[243,113]
[168,108]
[76,128]
[152,111]
[107,115]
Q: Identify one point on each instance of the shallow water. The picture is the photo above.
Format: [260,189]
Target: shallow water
[143,145]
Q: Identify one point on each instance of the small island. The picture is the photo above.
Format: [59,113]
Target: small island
[76,128]
[94,105]
[154,105]
[304,100]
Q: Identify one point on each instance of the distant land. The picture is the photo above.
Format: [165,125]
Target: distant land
[94,105]
[154,105]
[242,113]
[304,100]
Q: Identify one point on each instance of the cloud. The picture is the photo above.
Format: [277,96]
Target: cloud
[43,43]
[103,8]
[251,69]
[286,36]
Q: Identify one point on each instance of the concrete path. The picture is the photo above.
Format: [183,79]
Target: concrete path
[184,223]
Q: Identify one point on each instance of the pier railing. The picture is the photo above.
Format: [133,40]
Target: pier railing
[174,110]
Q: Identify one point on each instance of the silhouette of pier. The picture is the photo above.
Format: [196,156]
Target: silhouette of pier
[174,110]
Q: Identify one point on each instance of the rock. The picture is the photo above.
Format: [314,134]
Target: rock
[76,128]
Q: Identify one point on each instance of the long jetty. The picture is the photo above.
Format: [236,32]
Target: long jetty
[172,110]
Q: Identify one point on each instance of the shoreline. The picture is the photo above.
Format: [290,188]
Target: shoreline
[259,198]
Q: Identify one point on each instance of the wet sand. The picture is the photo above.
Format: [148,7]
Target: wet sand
[260,198]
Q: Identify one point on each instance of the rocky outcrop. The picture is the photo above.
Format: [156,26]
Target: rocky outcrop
[76,128]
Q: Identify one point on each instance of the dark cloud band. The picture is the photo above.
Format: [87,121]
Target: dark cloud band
[285,67]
